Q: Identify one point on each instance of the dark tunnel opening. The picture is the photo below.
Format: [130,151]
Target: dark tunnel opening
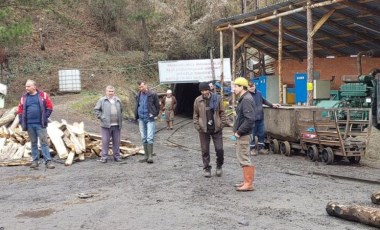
[185,94]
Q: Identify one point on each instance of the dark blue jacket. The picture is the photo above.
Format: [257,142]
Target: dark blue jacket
[259,101]
[153,105]
[245,115]
[46,106]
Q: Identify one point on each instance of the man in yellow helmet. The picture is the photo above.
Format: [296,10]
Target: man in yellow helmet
[245,118]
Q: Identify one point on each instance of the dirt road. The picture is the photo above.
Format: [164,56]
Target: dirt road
[291,192]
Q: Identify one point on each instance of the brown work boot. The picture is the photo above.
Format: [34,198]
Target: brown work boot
[249,174]
[253,152]
[34,165]
[49,165]
[263,151]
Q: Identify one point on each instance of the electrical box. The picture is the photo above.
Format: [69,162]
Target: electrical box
[69,80]
[268,85]
[300,83]
[321,89]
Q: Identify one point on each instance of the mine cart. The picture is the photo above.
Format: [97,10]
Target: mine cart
[281,124]
[333,134]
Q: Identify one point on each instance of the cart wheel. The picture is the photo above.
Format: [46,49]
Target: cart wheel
[354,160]
[312,153]
[338,158]
[274,147]
[327,155]
[285,148]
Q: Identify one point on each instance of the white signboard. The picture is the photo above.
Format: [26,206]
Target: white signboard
[192,71]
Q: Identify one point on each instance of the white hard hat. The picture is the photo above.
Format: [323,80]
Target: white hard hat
[169,91]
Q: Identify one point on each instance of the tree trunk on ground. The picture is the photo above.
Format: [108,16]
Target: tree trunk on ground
[376,197]
[361,214]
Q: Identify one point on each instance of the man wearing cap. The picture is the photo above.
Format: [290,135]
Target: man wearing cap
[169,103]
[209,119]
[245,118]
[258,129]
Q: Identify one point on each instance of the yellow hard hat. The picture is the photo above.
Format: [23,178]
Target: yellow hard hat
[241,81]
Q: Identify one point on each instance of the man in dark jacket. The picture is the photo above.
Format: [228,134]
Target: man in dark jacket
[209,119]
[258,129]
[146,112]
[34,109]
[245,117]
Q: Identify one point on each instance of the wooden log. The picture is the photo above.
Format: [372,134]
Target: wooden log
[78,147]
[13,147]
[19,153]
[55,135]
[375,197]
[70,158]
[28,150]
[19,162]
[15,123]
[365,215]
[78,129]
[8,116]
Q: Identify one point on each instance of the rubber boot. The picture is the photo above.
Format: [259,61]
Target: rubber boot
[249,174]
[171,124]
[145,154]
[150,153]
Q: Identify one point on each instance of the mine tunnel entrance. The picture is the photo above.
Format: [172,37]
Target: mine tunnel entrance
[185,94]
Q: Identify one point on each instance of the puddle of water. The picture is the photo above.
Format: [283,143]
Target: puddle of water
[36,213]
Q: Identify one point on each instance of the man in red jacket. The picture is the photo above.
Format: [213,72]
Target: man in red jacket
[34,109]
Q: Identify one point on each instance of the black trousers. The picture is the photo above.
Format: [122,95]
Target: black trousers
[217,139]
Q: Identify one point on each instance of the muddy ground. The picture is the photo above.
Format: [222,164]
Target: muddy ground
[291,192]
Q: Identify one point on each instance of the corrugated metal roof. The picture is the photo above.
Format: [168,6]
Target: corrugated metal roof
[354,26]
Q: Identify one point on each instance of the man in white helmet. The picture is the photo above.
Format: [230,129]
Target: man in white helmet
[168,104]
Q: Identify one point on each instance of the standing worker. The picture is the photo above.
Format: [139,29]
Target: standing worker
[109,111]
[34,109]
[245,117]
[258,129]
[169,103]
[147,110]
[209,118]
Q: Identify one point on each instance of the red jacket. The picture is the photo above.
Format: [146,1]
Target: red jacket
[46,109]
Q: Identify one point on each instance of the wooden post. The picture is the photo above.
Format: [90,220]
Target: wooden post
[212,67]
[280,58]
[233,70]
[221,63]
[310,55]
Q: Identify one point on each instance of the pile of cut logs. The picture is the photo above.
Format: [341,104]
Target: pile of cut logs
[70,142]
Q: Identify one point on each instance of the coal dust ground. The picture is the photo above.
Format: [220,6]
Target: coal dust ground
[291,192]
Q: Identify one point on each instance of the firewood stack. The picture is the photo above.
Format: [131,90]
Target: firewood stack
[67,141]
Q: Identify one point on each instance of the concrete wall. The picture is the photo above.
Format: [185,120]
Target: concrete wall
[327,68]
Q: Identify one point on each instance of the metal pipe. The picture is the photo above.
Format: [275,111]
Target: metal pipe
[359,62]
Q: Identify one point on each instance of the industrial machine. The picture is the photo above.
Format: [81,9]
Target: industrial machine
[360,92]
